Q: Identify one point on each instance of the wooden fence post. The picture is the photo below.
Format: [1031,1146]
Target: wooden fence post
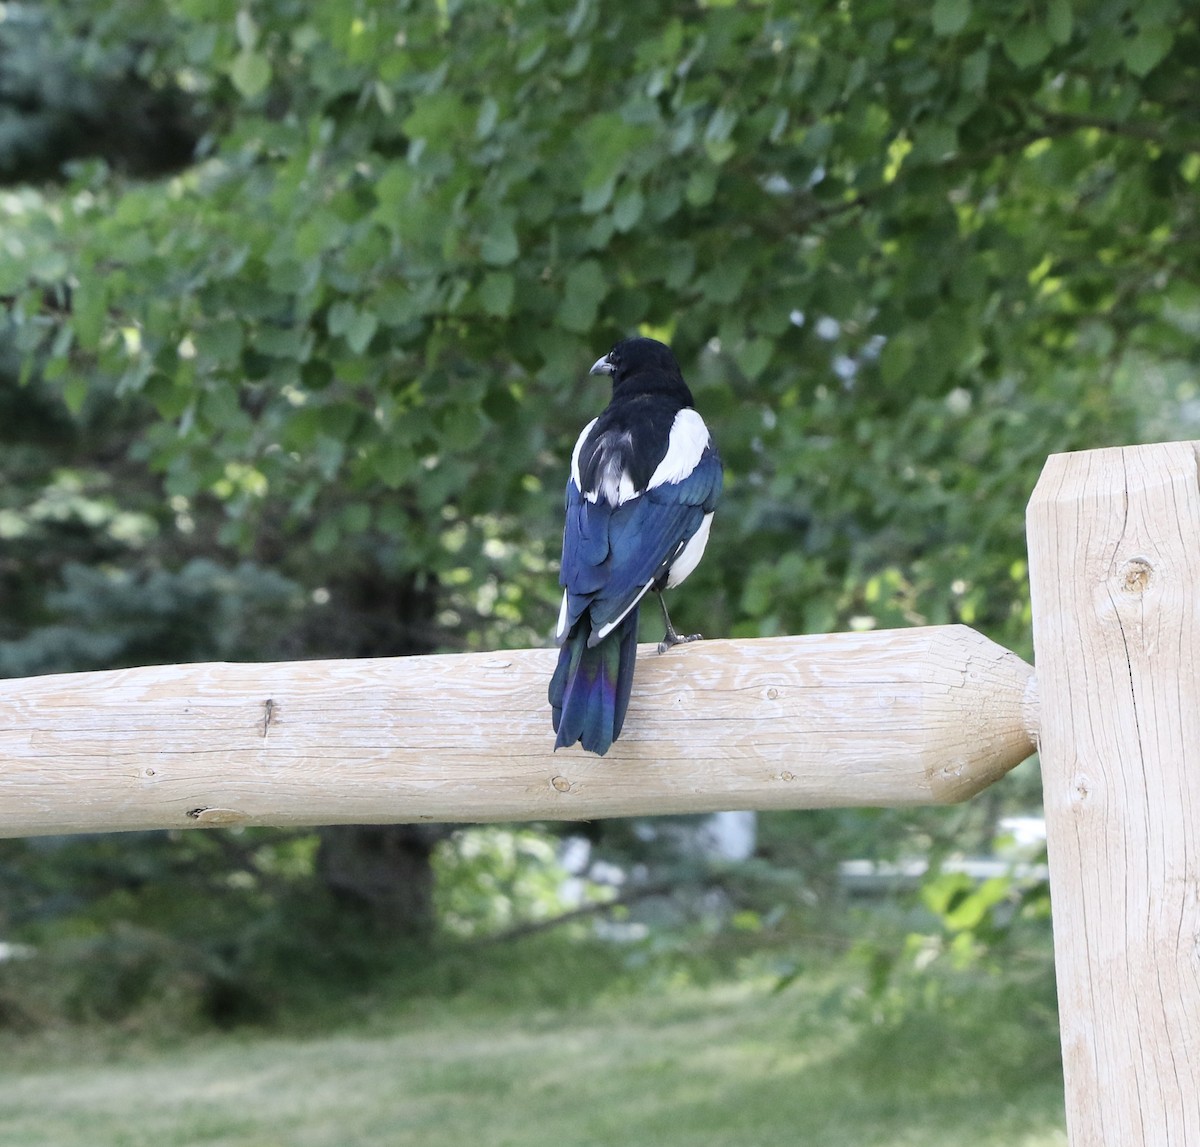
[1114,566]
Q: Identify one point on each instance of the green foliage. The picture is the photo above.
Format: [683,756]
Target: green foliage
[306,380]
[63,97]
[164,931]
[492,879]
[977,985]
[103,618]
[900,267]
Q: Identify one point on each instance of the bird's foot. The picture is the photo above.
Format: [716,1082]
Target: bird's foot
[672,638]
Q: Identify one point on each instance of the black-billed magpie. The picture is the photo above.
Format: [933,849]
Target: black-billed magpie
[645,480]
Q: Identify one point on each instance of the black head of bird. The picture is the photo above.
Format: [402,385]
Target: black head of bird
[641,363]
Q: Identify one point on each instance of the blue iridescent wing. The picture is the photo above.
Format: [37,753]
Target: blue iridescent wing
[612,555]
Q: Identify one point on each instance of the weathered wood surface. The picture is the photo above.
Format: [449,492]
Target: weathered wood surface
[927,715]
[1114,560]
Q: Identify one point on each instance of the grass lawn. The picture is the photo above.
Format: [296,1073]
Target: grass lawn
[724,1066]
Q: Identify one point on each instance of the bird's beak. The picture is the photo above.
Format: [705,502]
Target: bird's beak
[602,366]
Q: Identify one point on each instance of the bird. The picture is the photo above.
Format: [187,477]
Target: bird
[644,483]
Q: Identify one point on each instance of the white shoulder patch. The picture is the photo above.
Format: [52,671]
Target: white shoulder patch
[576,452]
[688,441]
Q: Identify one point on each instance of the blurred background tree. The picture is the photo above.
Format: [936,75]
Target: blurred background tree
[298,300]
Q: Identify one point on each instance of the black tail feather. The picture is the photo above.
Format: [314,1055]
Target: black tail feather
[590,689]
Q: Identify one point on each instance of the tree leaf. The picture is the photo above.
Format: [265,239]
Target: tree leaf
[75,392]
[1148,48]
[586,287]
[1027,45]
[341,317]
[247,30]
[627,210]
[496,293]
[753,355]
[91,312]
[1059,21]
[221,341]
[950,16]
[250,73]
[499,246]
[975,71]
[361,330]
[394,463]
[720,124]
[701,186]
[598,193]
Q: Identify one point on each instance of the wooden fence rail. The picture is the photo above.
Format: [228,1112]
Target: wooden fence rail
[903,717]
[913,716]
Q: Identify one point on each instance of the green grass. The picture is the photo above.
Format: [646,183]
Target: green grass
[728,1065]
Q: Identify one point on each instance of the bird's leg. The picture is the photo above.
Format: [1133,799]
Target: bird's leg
[672,637]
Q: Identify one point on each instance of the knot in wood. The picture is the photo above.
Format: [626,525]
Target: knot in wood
[217,817]
[1135,575]
[561,784]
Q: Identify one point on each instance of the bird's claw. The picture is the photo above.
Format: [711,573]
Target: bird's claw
[673,638]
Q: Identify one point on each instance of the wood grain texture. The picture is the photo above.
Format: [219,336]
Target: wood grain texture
[909,716]
[1114,558]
